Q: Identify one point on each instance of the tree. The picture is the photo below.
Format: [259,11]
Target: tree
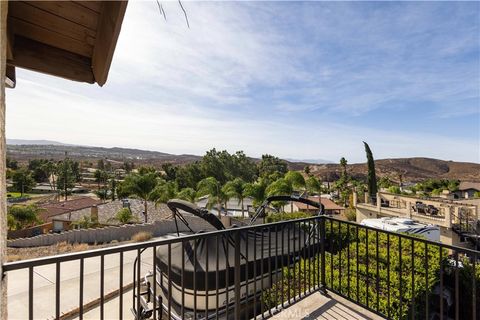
[102,194]
[187,194]
[279,187]
[101,177]
[236,189]
[371,177]
[128,166]
[188,176]
[20,217]
[66,176]
[36,166]
[170,171]
[50,169]
[12,164]
[211,187]
[256,191]
[296,180]
[307,170]
[385,182]
[100,164]
[113,187]
[270,165]
[23,181]
[164,191]
[394,189]
[313,185]
[141,186]
[343,164]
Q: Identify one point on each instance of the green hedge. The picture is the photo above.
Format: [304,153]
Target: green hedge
[341,257]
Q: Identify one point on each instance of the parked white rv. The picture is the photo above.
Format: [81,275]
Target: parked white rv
[431,232]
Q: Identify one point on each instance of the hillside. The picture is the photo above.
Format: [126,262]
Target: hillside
[412,169]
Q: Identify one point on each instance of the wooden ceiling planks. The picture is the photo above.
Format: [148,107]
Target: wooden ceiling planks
[43,58]
[95,6]
[70,11]
[52,38]
[71,39]
[38,18]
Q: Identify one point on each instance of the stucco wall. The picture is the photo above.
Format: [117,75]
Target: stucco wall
[108,234]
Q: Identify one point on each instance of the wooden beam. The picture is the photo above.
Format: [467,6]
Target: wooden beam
[95,6]
[10,38]
[49,37]
[33,55]
[44,19]
[10,77]
[69,10]
[109,25]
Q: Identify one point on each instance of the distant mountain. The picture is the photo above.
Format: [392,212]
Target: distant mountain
[312,161]
[411,169]
[34,142]
[25,152]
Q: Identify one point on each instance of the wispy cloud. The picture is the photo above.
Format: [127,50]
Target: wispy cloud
[283,78]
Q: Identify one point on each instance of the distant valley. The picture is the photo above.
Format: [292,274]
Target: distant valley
[411,169]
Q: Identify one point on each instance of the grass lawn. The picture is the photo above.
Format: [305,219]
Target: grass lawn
[17,195]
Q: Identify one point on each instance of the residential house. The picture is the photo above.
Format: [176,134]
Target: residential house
[330,206]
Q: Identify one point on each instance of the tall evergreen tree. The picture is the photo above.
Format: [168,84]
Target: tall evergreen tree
[371,177]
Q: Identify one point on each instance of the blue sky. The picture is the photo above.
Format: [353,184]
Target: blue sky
[304,80]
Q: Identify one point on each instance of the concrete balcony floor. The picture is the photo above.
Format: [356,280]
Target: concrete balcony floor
[318,306]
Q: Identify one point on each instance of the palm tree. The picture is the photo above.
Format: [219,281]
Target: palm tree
[236,189]
[256,190]
[164,191]
[279,187]
[188,194]
[313,185]
[142,186]
[296,180]
[211,187]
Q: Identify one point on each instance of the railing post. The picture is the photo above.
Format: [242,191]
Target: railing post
[323,287]
[237,278]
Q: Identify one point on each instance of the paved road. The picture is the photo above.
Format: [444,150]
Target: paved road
[44,286]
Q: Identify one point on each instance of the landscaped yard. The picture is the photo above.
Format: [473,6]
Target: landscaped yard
[17,195]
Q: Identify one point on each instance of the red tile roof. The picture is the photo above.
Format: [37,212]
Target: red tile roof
[329,204]
[54,209]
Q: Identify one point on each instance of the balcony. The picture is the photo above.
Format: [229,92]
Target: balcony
[316,267]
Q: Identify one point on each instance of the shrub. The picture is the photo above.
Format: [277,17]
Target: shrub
[351,214]
[275,217]
[141,236]
[84,223]
[124,216]
[354,268]
[19,217]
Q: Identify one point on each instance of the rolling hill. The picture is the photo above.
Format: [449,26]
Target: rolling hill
[412,169]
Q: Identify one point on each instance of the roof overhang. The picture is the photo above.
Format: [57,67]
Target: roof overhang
[74,40]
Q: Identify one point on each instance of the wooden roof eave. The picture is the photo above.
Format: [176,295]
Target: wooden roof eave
[43,56]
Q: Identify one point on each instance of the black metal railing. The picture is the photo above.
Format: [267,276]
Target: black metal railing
[256,271]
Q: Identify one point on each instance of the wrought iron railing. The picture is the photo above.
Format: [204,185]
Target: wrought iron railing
[256,271]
